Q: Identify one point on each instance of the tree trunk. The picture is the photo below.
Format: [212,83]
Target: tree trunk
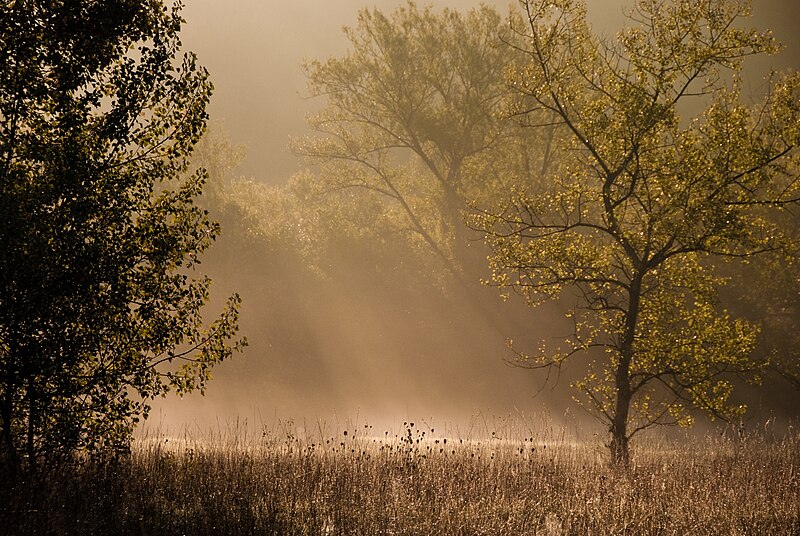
[620,454]
[9,457]
[32,416]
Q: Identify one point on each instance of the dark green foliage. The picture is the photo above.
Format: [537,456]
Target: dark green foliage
[99,235]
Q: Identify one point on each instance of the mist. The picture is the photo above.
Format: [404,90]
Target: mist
[254,51]
[353,336]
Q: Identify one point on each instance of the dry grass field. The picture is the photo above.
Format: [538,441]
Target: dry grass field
[416,481]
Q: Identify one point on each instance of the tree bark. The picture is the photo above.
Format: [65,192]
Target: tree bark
[620,454]
[9,451]
[31,443]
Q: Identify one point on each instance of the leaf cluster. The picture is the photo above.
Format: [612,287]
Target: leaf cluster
[99,232]
[641,201]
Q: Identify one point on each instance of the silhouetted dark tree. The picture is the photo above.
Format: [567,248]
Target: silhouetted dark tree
[99,235]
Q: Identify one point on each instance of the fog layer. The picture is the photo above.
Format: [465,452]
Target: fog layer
[344,332]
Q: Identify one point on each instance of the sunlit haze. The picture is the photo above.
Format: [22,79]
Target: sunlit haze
[328,351]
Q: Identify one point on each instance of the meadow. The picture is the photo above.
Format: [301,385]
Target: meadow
[417,481]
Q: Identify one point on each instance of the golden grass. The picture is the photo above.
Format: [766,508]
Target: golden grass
[415,482]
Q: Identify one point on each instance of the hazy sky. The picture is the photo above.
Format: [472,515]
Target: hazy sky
[254,48]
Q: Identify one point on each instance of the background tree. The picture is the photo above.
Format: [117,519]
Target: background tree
[765,291]
[411,125]
[99,234]
[642,202]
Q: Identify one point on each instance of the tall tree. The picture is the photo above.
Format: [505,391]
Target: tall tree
[643,201]
[411,122]
[99,236]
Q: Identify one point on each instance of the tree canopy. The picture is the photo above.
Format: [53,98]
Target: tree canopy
[100,307]
[624,227]
[410,125]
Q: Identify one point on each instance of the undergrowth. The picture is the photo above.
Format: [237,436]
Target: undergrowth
[414,482]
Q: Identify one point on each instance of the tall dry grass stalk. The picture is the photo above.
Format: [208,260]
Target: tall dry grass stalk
[415,481]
